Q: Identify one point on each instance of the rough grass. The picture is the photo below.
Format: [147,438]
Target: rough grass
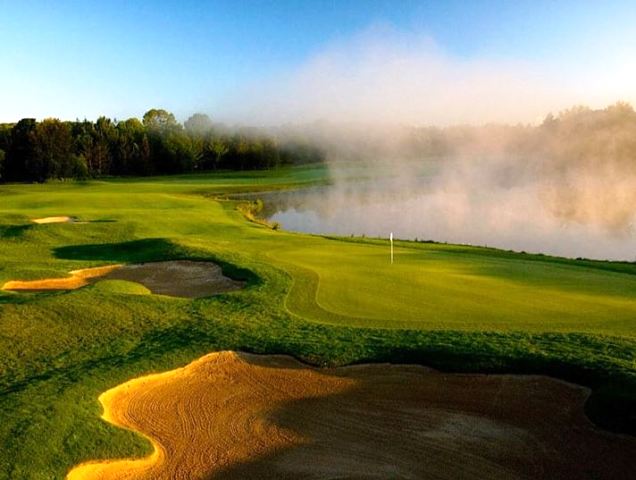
[324,300]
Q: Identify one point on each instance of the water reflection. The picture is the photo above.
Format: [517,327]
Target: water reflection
[515,218]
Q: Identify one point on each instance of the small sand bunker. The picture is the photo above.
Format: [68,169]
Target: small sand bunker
[180,278]
[238,416]
[78,278]
[61,219]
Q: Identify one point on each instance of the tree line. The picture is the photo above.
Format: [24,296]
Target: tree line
[35,151]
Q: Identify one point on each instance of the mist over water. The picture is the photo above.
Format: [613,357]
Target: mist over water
[456,204]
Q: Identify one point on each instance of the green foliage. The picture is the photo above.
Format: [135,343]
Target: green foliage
[52,149]
[133,155]
[119,287]
[159,119]
[198,124]
[21,155]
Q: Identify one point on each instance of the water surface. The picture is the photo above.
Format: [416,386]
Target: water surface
[517,218]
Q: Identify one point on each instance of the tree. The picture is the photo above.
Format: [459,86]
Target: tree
[621,109]
[133,149]
[21,152]
[198,124]
[169,145]
[5,135]
[92,141]
[159,119]
[2,157]
[217,150]
[105,138]
[53,151]
[35,151]
[178,153]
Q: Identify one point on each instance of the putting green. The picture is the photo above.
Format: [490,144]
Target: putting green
[435,287]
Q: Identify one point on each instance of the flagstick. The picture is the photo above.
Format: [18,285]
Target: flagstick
[391,239]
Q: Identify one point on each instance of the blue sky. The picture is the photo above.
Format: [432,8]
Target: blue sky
[82,59]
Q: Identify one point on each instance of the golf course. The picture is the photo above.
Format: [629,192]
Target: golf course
[318,240]
[326,301]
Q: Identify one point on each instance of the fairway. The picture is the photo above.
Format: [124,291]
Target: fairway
[431,286]
[325,300]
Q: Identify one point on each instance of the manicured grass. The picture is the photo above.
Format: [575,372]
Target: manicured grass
[434,287]
[324,300]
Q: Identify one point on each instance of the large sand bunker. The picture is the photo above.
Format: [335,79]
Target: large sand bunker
[179,278]
[237,416]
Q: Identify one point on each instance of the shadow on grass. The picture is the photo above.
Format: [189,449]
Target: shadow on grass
[12,299]
[13,231]
[145,250]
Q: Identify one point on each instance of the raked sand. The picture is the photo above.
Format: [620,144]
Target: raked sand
[236,416]
[58,219]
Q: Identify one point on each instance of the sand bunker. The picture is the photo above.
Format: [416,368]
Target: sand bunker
[61,219]
[180,278]
[237,416]
[78,278]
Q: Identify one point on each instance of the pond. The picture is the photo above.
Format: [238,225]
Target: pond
[514,218]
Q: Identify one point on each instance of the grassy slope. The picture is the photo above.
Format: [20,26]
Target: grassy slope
[324,300]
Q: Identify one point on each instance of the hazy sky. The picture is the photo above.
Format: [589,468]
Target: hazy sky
[291,60]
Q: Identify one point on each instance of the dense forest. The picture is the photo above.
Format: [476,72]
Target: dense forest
[34,151]
[603,141]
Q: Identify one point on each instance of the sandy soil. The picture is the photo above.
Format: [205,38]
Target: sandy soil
[60,219]
[238,416]
[78,278]
[181,278]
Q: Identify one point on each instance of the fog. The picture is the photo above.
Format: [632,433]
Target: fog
[461,150]
[386,76]
[565,187]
